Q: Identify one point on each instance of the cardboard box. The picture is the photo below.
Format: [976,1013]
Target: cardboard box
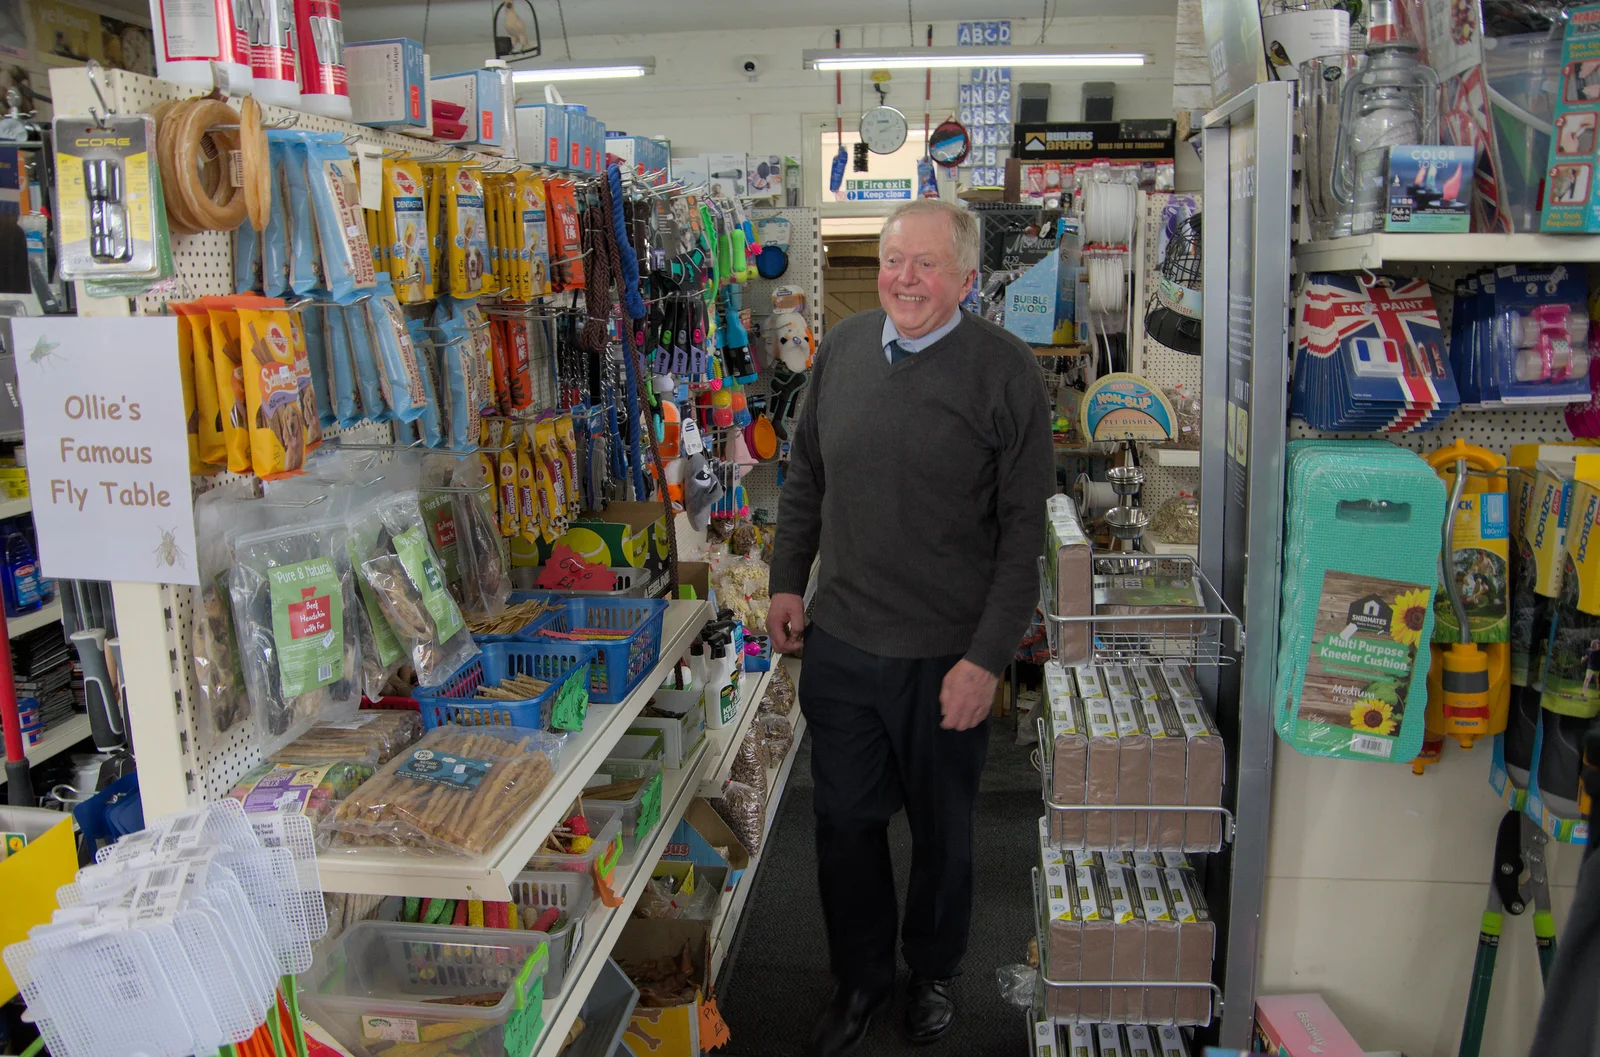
[482,93]
[634,534]
[697,577]
[1430,189]
[763,176]
[727,174]
[704,839]
[1040,305]
[693,171]
[685,735]
[542,134]
[1301,1026]
[577,136]
[675,1030]
[388,83]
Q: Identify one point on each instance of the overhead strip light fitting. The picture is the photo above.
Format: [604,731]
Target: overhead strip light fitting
[585,71]
[947,58]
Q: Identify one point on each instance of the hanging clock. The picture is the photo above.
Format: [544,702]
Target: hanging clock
[883,129]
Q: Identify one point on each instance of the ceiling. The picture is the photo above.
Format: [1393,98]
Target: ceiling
[466,21]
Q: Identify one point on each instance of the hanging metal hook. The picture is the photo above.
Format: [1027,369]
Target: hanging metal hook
[95,70]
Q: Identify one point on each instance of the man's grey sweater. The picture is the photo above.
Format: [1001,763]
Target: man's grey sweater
[923,484]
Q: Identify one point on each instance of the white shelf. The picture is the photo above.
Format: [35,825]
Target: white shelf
[382,871]
[724,743]
[1373,251]
[56,740]
[50,614]
[1174,456]
[14,507]
[604,924]
[727,923]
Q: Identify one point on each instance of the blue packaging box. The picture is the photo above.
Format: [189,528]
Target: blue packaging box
[1430,189]
[388,83]
[542,135]
[482,93]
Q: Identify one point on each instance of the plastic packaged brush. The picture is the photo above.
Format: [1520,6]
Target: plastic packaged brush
[397,354]
[298,215]
[346,393]
[106,216]
[372,380]
[341,228]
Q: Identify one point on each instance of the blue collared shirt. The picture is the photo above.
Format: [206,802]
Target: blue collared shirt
[915,344]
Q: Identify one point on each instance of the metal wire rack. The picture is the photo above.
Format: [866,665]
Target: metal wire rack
[1212,636]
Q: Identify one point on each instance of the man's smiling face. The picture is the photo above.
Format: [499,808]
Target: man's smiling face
[920,278]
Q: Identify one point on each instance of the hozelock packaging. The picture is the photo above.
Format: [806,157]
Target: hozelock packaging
[106,212]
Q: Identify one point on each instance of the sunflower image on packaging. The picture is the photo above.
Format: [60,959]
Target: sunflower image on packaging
[1358,678]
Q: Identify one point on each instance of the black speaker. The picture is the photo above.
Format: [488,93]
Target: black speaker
[1033,103]
[1099,98]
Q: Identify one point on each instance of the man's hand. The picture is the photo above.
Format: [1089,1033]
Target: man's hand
[967,696]
[786,623]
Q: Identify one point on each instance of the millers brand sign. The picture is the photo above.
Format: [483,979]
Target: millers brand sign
[1148,140]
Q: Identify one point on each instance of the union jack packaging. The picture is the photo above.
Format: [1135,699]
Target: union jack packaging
[1369,355]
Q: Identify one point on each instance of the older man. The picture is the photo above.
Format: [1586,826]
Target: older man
[920,470]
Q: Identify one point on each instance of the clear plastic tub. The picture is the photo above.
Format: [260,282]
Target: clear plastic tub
[640,813]
[606,1013]
[380,985]
[599,862]
[535,891]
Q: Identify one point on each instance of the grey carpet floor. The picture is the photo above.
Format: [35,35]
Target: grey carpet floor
[775,982]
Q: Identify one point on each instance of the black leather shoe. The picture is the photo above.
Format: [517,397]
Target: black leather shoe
[845,1022]
[930,1009]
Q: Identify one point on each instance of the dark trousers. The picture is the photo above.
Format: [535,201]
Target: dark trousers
[876,746]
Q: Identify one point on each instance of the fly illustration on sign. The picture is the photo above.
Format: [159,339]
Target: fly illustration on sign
[877,190]
[108,467]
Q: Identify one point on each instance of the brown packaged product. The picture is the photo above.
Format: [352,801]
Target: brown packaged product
[1069,748]
[1197,943]
[1160,944]
[1099,937]
[1127,957]
[1150,587]
[1104,762]
[372,736]
[1063,931]
[1202,829]
[1169,762]
[459,789]
[1070,561]
[1130,829]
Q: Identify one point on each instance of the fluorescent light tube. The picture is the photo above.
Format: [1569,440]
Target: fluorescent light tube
[946,58]
[585,71]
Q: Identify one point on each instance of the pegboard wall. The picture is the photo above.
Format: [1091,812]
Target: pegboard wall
[204,266]
[804,272]
[1153,361]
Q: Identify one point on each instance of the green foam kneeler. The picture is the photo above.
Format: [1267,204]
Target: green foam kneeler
[1362,524]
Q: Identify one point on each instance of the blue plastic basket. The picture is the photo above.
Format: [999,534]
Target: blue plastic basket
[620,663]
[528,632]
[562,706]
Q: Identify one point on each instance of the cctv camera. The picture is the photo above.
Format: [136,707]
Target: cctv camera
[750,66]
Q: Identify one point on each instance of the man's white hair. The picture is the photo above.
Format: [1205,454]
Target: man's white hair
[963,227]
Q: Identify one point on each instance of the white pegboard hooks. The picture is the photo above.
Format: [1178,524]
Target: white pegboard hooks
[106,110]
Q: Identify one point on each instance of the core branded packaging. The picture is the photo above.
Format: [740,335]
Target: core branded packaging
[1069,562]
[1132,917]
[1132,736]
[388,85]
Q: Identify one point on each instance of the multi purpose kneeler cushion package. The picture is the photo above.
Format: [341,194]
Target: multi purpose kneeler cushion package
[1135,735]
